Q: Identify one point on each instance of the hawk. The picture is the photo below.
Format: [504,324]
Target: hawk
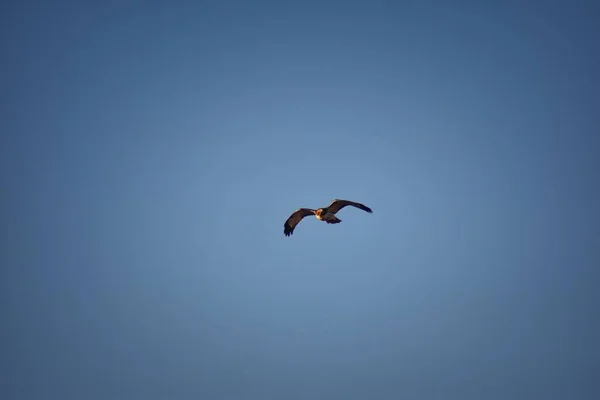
[326,214]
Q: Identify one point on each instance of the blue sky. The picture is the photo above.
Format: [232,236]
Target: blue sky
[151,152]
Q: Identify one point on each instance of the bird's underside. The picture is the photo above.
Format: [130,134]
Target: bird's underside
[325,214]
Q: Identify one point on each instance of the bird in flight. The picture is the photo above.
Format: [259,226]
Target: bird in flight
[326,214]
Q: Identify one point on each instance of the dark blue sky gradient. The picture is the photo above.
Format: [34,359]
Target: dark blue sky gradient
[151,152]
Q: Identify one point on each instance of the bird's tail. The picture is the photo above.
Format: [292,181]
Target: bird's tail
[333,220]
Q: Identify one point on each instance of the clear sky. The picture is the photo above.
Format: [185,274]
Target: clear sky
[150,153]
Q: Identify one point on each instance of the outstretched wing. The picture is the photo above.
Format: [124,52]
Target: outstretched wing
[294,219]
[336,205]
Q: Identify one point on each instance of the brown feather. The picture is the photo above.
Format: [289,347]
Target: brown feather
[336,205]
[294,219]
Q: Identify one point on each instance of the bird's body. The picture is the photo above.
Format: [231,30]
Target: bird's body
[323,214]
[326,214]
